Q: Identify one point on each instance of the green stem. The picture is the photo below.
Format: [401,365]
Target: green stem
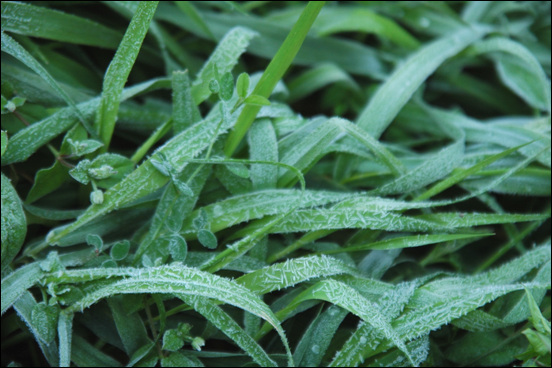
[157,135]
[274,72]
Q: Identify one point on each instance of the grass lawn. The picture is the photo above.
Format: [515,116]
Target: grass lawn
[276,183]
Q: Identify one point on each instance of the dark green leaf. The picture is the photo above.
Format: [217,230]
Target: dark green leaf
[14,224]
[242,85]
[207,238]
[119,250]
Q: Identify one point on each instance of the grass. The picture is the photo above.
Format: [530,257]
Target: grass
[276,184]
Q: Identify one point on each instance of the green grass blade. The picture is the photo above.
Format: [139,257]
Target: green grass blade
[185,112]
[406,79]
[183,280]
[274,72]
[348,298]
[383,154]
[14,223]
[341,19]
[229,327]
[10,46]
[317,338]
[312,147]
[225,57]
[83,353]
[537,94]
[146,178]
[263,146]
[65,332]
[24,306]
[190,10]
[318,77]
[119,69]
[459,175]
[291,272]
[129,325]
[25,142]
[407,242]
[15,284]
[39,21]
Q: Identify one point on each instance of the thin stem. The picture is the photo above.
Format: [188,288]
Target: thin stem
[274,72]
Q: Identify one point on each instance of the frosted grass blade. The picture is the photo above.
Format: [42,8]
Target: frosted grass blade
[342,19]
[16,284]
[346,297]
[263,146]
[119,69]
[406,79]
[246,207]
[178,279]
[228,326]
[65,332]
[539,97]
[12,47]
[274,72]
[23,307]
[225,57]
[185,112]
[457,176]
[39,21]
[291,272]
[317,78]
[146,178]
[450,298]
[407,242]
[311,220]
[433,168]
[14,223]
[25,142]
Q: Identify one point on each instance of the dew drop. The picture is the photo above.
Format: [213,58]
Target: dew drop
[424,22]
[217,210]
[315,349]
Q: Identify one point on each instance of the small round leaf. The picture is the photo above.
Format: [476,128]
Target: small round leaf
[178,247]
[44,319]
[242,85]
[207,238]
[172,340]
[119,250]
[14,223]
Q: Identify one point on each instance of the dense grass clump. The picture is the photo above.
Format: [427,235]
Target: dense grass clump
[276,183]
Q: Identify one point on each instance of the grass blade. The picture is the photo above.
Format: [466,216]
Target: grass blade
[16,284]
[39,21]
[227,325]
[183,280]
[119,69]
[10,46]
[25,142]
[225,57]
[65,332]
[406,79]
[274,72]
